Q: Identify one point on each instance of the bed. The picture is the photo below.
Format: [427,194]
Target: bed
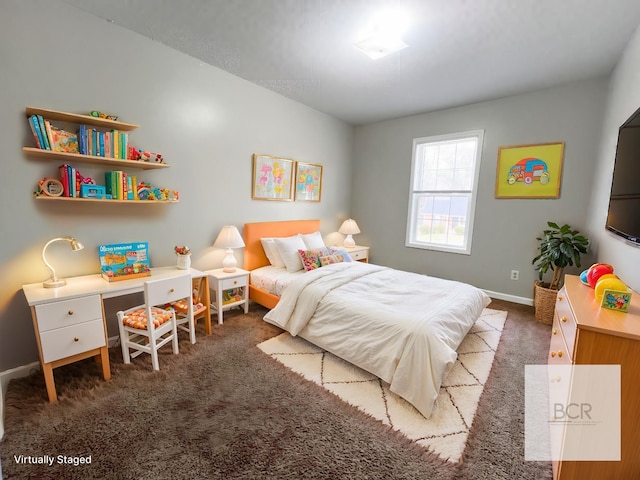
[402,327]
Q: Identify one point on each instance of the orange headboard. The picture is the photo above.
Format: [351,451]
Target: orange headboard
[254,256]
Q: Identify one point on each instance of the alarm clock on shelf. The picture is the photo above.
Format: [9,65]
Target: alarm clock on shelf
[50,187]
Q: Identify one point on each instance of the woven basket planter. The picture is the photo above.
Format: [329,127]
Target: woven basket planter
[544,301]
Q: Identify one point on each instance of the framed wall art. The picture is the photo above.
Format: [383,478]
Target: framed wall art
[308,182]
[272,178]
[529,171]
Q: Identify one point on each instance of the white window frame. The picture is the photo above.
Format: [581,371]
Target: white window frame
[412,216]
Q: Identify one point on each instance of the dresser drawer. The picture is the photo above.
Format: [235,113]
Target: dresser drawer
[68,341]
[231,283]
[559,353]
[68,312]
[566,320]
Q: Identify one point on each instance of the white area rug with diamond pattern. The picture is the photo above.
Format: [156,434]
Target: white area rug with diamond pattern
[445,432]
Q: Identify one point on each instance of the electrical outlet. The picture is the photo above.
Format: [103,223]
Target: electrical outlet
[515,274]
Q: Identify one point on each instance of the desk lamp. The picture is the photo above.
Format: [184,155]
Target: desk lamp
[229,238]
[349,227]
[54,281]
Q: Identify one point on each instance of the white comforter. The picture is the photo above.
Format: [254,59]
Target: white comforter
[402,327]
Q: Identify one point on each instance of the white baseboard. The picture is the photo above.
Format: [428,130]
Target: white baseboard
[510,298]
[5,377]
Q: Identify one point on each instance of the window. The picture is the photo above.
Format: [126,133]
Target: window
[444,180]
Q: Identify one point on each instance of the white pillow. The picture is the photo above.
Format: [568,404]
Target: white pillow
[288,248]
[272,252]
[313,241]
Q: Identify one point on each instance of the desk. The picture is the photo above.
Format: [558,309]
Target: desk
[70,324]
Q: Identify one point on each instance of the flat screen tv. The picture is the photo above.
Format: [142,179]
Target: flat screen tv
[624,204]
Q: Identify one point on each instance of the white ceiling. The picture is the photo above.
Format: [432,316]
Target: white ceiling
[460,51]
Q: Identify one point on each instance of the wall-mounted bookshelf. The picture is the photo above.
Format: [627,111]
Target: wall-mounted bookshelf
[65,157]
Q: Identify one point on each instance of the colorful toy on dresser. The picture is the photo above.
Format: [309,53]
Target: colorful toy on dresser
[609,291]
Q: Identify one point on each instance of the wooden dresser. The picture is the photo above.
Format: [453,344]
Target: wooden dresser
[583,333]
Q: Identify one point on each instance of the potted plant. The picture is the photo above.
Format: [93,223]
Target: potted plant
[559,247]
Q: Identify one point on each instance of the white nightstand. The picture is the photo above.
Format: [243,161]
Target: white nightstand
[358,253]
[231,290]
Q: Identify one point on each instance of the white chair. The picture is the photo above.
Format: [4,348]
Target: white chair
[185,313]
[143,336]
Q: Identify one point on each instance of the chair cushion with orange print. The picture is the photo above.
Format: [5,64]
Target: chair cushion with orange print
[138,318]
[181,306]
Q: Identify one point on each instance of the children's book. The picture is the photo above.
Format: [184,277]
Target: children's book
[43,131]
[123,261]
[63,141]
[35,128]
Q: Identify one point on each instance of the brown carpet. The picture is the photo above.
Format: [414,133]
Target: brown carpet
[223,409]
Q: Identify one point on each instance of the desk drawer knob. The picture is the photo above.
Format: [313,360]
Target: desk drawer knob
[235,282]
[553,354]
[560,298]
[564,319]
[560,353]
[171,290]
[555,332]
[76,339]
[70,312]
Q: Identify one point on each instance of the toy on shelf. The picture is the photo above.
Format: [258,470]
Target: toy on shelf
[134,153]
[230,296]
[148,192]
[97,114]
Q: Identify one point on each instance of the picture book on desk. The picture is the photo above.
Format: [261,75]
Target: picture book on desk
[123,261]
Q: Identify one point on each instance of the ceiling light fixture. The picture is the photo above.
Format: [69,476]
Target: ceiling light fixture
[384,34]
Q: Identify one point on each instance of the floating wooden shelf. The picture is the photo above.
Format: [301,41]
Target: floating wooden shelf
[83,119]
[41,154]
[103,200]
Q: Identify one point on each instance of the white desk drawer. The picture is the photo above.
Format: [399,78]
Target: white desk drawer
[71,340]
[68,312]
[231,283]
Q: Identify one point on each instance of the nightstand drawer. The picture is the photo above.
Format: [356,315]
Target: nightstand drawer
[358,255]
[231,283]
[68,312]
[68,341]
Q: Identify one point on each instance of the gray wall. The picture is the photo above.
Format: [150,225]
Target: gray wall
[205,122]
[622,101]
[505,230]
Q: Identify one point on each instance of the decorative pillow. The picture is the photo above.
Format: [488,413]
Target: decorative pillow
[340,251]
[288,248]
[313,240]
[335,258]
[311,258]
[272,253]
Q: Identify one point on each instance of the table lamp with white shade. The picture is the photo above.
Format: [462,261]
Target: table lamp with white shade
[54,281]
[349,227]
[229,238]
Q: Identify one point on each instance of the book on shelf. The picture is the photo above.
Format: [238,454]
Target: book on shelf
[47,128]
[64,178]
[43,131]
[35,128]
[63,141]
